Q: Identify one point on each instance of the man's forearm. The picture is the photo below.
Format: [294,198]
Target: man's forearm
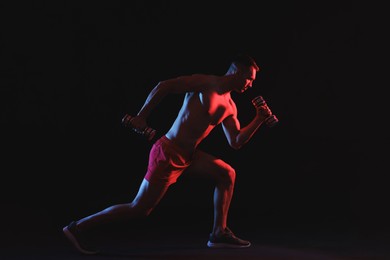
[153,99]
[248,131]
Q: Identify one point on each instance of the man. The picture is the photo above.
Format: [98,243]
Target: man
[207,103]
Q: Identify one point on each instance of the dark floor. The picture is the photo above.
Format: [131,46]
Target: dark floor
[187,243]
[35,233]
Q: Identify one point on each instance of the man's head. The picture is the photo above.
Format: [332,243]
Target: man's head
[245,68]
[245,61]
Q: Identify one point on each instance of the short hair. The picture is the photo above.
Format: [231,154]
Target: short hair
[245,60]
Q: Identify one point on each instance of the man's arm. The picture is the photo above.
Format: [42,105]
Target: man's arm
[238,136]
[182,84]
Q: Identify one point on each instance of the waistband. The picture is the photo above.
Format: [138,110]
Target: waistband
[177,148]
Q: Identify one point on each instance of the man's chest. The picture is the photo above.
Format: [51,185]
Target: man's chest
[217,107]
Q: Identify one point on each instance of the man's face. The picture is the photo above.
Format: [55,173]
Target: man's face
[248,76]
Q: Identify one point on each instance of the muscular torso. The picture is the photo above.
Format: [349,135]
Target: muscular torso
[199,114]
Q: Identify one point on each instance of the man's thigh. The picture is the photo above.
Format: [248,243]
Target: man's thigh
[207,166]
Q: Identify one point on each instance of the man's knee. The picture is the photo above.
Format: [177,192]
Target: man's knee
[228,175]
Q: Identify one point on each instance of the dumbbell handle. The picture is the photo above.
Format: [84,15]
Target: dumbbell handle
[272,119]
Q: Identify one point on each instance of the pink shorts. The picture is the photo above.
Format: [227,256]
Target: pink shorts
[166,162]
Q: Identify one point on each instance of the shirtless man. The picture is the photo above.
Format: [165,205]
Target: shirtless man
[207,103]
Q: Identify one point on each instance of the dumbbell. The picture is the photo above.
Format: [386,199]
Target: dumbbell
[148,132]
[272,119]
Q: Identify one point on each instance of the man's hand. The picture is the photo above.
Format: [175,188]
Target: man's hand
[137,123]
[263,112]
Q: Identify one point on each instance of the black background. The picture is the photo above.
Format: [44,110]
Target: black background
[70,71]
